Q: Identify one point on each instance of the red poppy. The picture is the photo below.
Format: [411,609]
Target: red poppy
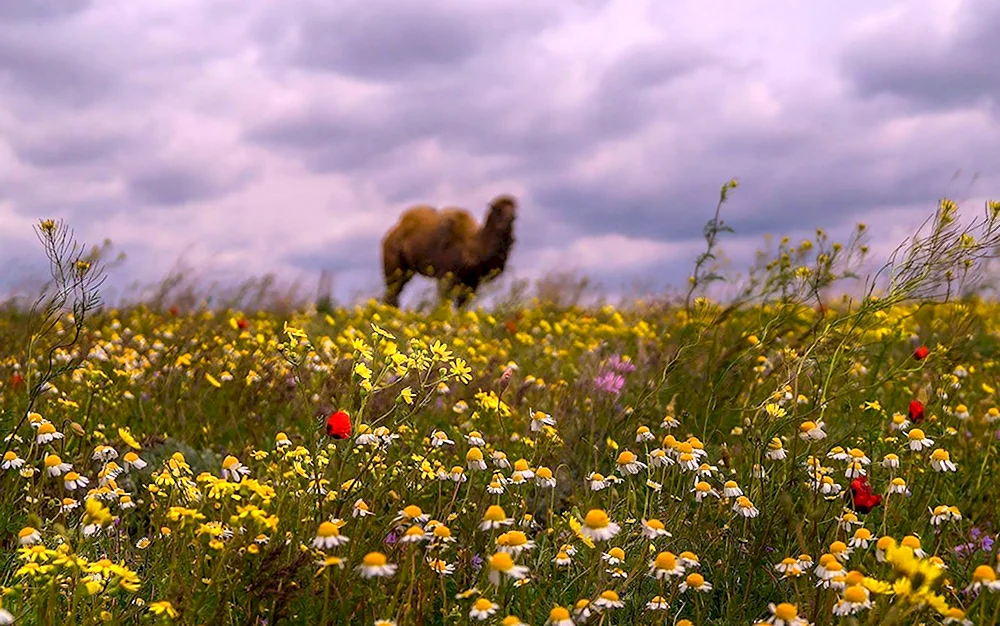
[921,353]
[16,381]
[863,497]
[916,412]
[242,323]
[338,425]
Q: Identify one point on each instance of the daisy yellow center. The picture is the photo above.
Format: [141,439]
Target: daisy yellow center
[690,556]
[855,593]
[229,462]
[558,614]
[731,484]
[474,454]
[666,561]
[544,472]
[885,543]
[494,514]
[609,595]
[863,533]
[826,559]
[695,580]
[71,476]
[27,531]
[685,448]
[807,426]
[915,434]
[502,561]
[130,457]
[10,455]
[786,611]
[744,502]
[482,604]
[984,573]
[581,604]
[374,559]
[856,453]
[46,429]
[442,532]
[655,524]
[516,538]
[961,408]
[521,465]
[414,531]
[626,457]
[838,546]
[617,553]
[597,477]
[596,518]
[911,542]
[898,482]
[775,444]
[940,455]
[52,460]
[412,511]
[642,430]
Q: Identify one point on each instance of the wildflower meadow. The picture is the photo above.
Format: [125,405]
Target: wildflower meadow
[806,443]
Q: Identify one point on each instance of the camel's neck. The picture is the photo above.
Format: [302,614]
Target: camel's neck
[495,241]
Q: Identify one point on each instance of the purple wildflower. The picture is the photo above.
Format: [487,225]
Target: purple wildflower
[610,382]
[617,364]
[391,538]
[477,562]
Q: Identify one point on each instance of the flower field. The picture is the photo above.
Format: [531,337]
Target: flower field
[784,458]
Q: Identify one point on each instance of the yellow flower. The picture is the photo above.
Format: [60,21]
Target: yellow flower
[126,435]
[162,607]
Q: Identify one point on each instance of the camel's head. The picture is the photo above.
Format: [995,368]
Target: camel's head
[503,210]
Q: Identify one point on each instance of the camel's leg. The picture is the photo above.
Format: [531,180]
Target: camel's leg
[463,292]
[397,274]
[446,287]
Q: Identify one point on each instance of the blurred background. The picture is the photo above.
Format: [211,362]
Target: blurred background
[218,140]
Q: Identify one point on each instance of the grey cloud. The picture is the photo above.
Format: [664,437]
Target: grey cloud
[58,150]
[40,10]
[172,185]
[49,71]
[345,255]
[487,110]
[959,69]
[378,39]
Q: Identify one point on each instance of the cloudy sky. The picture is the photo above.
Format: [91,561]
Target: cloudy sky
[247,137]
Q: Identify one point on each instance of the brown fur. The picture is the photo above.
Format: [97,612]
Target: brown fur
[448,245]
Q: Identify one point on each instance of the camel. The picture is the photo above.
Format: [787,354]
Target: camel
[449,246]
